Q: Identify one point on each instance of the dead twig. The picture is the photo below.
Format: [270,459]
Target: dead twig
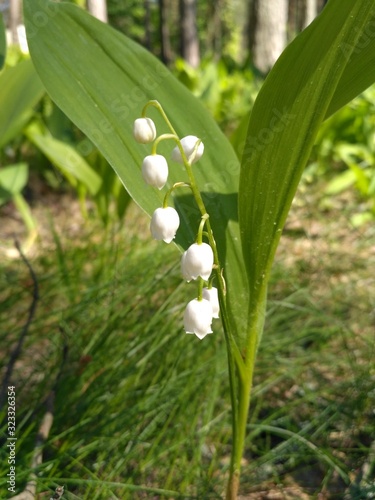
[364,486]
[30,490]
[59,491]
[18,349]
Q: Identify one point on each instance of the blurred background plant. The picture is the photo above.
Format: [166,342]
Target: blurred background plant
[345,155]
[227,88]
[40,146]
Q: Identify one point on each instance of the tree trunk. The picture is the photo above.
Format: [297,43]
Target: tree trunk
[189,33]
[269,37]
[166,51]
[214,39]
[250,28]
[15,19]
[147,25]
[98,9]
[311,11]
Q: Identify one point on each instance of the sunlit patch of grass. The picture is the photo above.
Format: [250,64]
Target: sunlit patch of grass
[312,420]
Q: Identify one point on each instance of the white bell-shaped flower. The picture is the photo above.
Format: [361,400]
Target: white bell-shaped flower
[198,317]
[144,130]
[197,261]
[164,224]
[188,145]
[155,170]
[211,295]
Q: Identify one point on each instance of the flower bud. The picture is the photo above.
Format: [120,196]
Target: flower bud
[164,224]
[188,145]
[197,261]
[144,130]
[198,318]
[155,170]
[210,294]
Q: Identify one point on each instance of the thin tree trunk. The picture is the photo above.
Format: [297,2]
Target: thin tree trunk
[214,27]
[147,24]
[270,32]
[98,9]
[189,32]
[311,11]
[252,22]
[15,19]
[166,52]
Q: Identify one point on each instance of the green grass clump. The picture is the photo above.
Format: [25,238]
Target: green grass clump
[135,399]
[141,410]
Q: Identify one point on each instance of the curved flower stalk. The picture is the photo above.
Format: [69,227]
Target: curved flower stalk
[200,258]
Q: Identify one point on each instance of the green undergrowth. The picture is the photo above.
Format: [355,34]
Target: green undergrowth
[141,410]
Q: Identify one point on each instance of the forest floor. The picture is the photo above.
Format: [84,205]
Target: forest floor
[321,252]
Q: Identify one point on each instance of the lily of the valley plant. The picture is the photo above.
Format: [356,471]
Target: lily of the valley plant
[101,80]
[199,259]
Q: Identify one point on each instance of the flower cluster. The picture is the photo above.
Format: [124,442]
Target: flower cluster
[197,261]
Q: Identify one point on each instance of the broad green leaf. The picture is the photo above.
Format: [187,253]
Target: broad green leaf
[13,179]
[238,137]
[102,80]
[21,89]
[3,42]
[290,107]
[359,72]
[340,182]
[64,157]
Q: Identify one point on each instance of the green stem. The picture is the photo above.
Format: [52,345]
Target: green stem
[240,372]
[243,402]
[200,289]
[244,392]
[175,186]
[236,367]
[239,379]
[200,229]
[174,134]
[158,106]
[163,137]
